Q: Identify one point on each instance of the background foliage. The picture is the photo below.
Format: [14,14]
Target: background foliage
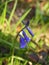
[12,13]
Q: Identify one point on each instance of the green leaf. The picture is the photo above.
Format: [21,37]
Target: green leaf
[38,16]
[2,19]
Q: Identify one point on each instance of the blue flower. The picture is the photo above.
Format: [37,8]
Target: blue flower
[23,39]
[29,30]
[22,42]
[26,23]
[26,37]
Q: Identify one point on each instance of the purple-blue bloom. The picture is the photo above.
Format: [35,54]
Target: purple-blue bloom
[22,42]
[26,23]
[23,39]
[30,31]
[26,37]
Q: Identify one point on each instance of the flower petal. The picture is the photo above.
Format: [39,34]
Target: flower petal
[25,23]
[22,42]
[26,37]
[30,31]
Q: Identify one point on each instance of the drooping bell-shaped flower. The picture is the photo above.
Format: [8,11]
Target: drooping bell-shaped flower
[26,37]
[22,42]
[26,23]
[30,31]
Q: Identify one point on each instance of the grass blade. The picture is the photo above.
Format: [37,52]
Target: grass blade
[2,20]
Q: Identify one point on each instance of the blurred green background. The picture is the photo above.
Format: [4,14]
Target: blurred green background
[12,13]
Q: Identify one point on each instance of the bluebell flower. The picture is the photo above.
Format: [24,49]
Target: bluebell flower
[22,42]
[30,31]
[23,39]
[26,37]
[27,24]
